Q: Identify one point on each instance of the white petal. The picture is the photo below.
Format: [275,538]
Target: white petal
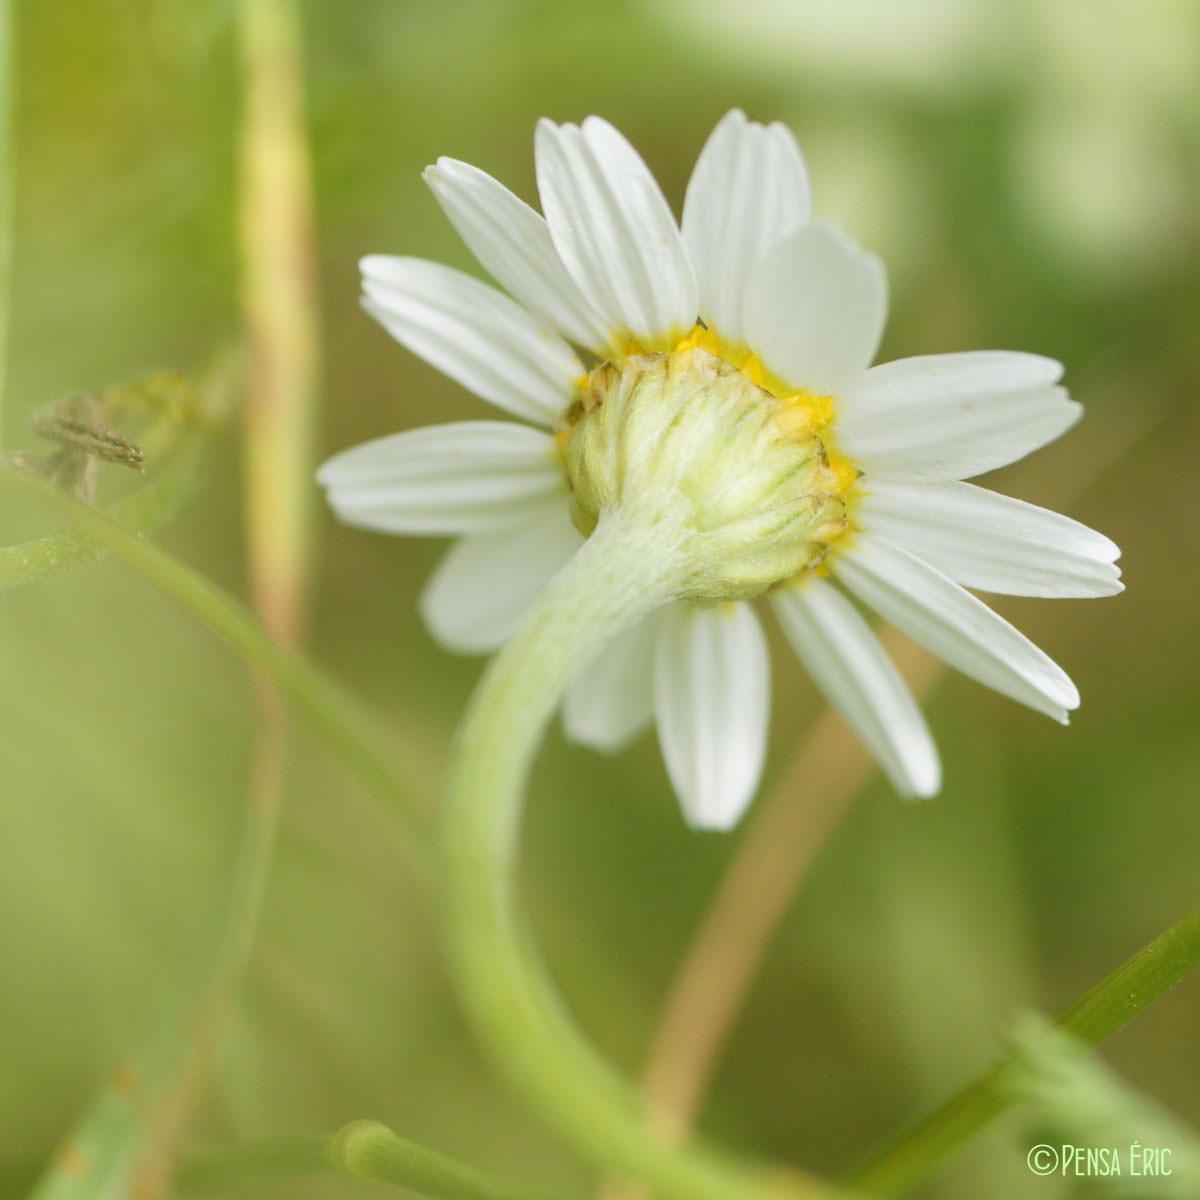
[815,308]
[950,416]
[849,665]
[992,542]
[445,479]
[748,191]
[611,701]
[486,583]
[613,229]
[712,701]
[951,623]
[473,333]
[512,241]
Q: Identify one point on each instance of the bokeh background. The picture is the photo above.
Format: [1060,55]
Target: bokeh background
[1029,172]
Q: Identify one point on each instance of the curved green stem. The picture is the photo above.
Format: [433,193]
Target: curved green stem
[373,755]
[1099,1012]
[619,575]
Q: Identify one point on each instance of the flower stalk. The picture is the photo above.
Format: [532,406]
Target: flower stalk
[1096,1015]
[624,570]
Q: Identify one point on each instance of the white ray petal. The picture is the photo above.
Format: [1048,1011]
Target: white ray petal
[951,416]
[848,664]
[481,589]
[613,228]
[611,701]
[513,243]
[473,333]
[712,702]
[748,191]
[445,479]
[992,542]
[953,624]
[815,308]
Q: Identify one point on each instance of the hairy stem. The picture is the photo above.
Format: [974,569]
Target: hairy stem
[620,574]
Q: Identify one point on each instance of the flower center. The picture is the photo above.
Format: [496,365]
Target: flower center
[700,441]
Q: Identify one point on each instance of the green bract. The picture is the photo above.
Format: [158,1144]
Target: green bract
[698,449]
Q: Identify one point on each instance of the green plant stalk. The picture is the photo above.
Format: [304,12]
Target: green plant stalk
[373,755]
[280,305]
[1099,1012]
[620,574]
[364,1150]
[280,310]
[1096,1015]
[279,302]
[371,1151]
[275,220]
[282,332]
[275,211]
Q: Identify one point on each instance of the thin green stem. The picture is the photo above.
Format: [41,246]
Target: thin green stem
[279,303]
[1096,1015]
[363,1150]
[619,574]
[369,1150]
[1119,997]
[374,756]
[281,321]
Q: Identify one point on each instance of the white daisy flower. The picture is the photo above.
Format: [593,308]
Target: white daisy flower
[621,326]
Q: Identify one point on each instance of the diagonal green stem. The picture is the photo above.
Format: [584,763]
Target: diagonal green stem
[619,574]
[1096,1015]
[382,765]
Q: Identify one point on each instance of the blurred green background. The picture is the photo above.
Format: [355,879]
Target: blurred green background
[1030,174]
